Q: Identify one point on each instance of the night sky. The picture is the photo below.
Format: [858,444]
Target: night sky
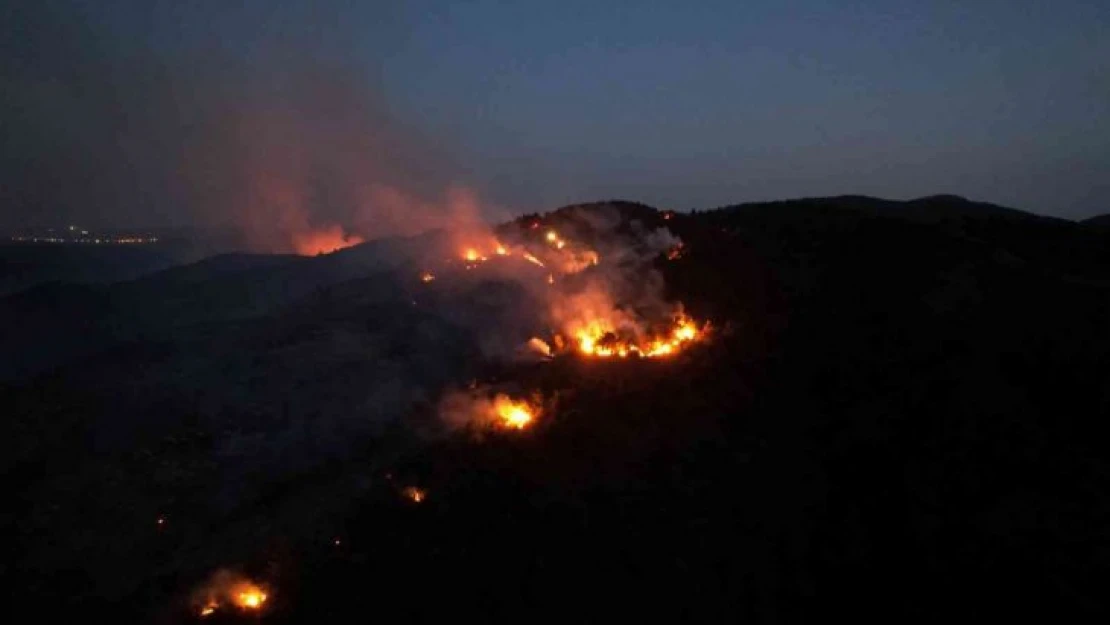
[156,113]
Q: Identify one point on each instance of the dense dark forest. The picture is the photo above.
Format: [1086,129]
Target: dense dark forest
[899,413]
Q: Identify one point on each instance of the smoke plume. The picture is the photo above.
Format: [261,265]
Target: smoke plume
[294,146]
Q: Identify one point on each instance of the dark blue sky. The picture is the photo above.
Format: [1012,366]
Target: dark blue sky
[538,104]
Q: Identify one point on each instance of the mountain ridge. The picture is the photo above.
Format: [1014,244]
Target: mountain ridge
[902,413]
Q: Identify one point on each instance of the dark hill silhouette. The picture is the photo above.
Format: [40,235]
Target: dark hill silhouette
[23,266]
[1099,221]
[1050,243]
[221,289]
[899,417]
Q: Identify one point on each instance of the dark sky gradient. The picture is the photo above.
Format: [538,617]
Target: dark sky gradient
[125,111]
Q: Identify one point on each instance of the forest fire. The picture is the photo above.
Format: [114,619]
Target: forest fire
[560,253]
[612,310]
[477,409]
[513,414]
[228,591]
[474,255]
[600,339]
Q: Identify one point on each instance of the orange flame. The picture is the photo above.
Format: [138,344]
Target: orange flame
[226,589]
[427,276]
[590,321]
[513,414]
[479,411]
[599,339]
[250,597]
[565,256]
[415,494]
[555,240]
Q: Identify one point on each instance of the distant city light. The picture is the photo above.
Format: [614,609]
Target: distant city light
[81,236]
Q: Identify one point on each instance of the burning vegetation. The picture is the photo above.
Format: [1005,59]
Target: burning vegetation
[553,251]
[414,494]
[595,307]
[513,414]
[598,295]
[227,591]
[476,408]
[601,339]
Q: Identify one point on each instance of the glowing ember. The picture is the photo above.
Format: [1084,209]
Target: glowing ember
[513,414]
[427,277]
[550,279]
[208,609]
[414,494]
[565,256]
[555,240]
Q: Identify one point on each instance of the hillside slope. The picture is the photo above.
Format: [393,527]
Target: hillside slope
[893,416]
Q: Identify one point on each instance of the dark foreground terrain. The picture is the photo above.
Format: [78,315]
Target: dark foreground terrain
[901,414]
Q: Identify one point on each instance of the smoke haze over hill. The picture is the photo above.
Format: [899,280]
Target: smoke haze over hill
[294,147]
